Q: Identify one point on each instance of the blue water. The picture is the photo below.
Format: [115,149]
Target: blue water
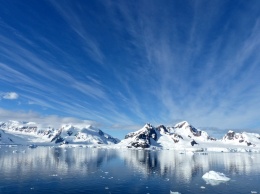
[90,170]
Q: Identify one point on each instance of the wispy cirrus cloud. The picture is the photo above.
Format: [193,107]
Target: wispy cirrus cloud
[127,63]
[32,69]
[71,12]
[195,76]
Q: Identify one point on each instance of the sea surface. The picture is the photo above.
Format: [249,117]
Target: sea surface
[91,170]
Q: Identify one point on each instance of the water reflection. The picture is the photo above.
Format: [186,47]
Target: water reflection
[83,161]
[44,160]
[187,166]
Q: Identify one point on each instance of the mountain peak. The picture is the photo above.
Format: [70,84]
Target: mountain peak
[148,126]
[182,124]
[162,128]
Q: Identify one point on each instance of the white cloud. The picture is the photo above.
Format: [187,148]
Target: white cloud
[45,121]
[10,96]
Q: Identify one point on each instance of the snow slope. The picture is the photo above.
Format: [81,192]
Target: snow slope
[15,132]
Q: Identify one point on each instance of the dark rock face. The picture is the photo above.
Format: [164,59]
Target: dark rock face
[69,133]
[145,136]
[212,138]
[101,132]
[194,131]
[152,134]
[180,126]
[59,140]
[57,136]
[230,135]
[176,138]
[162,128]
[180,136]
[140,145]
[193,142]
[248,143]
[142,136]
[114,140]
[28,129]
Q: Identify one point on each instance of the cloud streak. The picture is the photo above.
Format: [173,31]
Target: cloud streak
[72,17]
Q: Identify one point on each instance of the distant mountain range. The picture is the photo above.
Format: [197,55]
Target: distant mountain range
[181,136]
[15,132]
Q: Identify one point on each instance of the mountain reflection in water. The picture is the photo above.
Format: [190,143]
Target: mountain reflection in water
[90,170]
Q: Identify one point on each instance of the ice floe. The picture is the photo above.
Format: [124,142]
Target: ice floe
[215,178]
[174,192]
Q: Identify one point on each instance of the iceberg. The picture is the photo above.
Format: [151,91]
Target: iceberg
[174,192]
[215,178]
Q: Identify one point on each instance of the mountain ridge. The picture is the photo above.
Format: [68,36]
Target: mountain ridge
[66,134]
[181,136]
[184,135]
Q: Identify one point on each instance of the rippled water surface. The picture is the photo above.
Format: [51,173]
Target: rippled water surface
[90,170]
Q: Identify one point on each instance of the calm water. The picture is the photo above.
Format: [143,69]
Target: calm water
[85,170]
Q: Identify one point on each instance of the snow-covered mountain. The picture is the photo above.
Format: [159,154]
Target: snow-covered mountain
[181,136]
[244,138]
[184,135]
[15,132]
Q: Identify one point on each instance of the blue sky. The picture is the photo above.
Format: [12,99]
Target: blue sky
[120,64]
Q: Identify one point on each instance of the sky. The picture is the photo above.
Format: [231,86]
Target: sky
[120,64]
